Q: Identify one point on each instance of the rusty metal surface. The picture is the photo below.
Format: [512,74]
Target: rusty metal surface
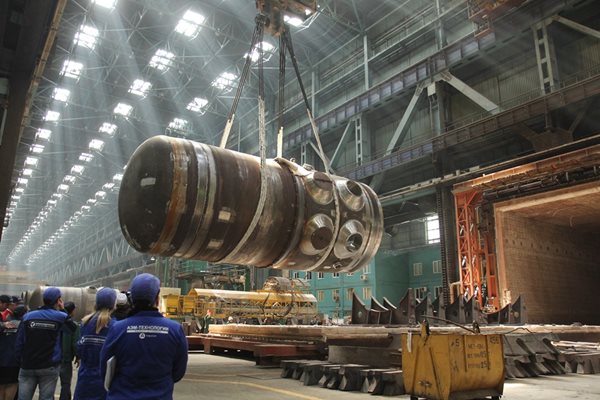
[190,200]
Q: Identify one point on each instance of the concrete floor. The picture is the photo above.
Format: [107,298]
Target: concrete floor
[218,377]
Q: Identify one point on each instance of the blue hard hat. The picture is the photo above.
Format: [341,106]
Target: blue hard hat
[145,287]
[106,298]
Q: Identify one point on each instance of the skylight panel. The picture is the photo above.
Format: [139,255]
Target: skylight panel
[267,49]
[86,36]
[117,177]
[100,195]
[91,202]
[71,69]
[61,94]
[52,202]
[37,148]
[52,116]
[140,87]
[110,4]
[123,109]
[27,172]
[15,197]
[22,181]
[292,20]
[224,81]
[108,186]
[162,60]
[77,169]
[189,25]
[19,190]
[197,105]
[178,124]
[96,144]
[69,179]
[64,188]
[43,134]
[32,161]
[86,157]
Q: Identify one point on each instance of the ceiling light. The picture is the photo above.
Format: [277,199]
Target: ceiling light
[86,157]
[108,186]
[96,144]
[19,190]
[37,148]
[197,105]
[52,202]
[13,203]
[85,208]
[86,37]
[69,179]
[140,87]
[108,128]
[110,4]
[118,178]
[162,60]
[178,124]
[27,172]
[61,94]
[123,109]
[71,69]
[57,196]
[77,169]
[52,116]
[90,202]
[189,25]
[224,81]
[31,161]
[43,134]
[22,181]
[15,197]
[100,195]
[63,188]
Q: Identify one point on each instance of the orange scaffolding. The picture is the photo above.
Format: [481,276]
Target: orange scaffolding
[476,250]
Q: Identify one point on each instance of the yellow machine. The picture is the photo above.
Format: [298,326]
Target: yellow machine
[280,298]
[452,366]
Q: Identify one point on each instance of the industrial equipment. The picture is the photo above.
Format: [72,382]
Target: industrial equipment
[280,298]
[191,200]
[440,366]
[84,299]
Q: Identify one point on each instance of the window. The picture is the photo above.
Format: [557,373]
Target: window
[52,116]
[420,293]
[61,94]
[268,51]
[71,69]
[437,267]
[43,134]
[308,275]
[366,269]
[320,275]
[432,226]
[320,295]
[123,109]
[189,25]
[335,274]
[108,128]
[437,291]
[296,275]
[366,293]
[417,269]
[96,144]
[86,37]
[349,293]
[178,124]
[225,81]
[335,295]
[140,87]
[350,274]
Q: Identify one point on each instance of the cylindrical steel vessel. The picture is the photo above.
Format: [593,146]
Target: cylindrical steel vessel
[84,299]
[190,200]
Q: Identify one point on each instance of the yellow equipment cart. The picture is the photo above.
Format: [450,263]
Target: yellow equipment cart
[452,366]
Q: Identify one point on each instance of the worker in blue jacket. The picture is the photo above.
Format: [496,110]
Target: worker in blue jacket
[94,327]
[149,350]
[38,346]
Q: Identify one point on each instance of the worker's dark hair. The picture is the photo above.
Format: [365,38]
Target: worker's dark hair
[69,307]
[4,299]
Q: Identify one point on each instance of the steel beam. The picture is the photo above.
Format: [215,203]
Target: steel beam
[576,26]
[471,93]
[341,144]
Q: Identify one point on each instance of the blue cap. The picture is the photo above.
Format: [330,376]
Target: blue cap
[145,287]
[106,298]
[51,295]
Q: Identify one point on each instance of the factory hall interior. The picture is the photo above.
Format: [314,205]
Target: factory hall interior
[299,199]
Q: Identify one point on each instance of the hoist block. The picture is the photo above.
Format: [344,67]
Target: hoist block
[190,200]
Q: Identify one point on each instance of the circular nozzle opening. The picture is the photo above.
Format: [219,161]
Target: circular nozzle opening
[354,242]
[321,238]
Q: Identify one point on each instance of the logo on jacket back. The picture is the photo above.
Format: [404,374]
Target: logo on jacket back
[148,330]
[45,325]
